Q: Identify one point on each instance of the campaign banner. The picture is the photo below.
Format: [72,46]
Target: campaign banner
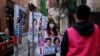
[49,46]
[45,45]
[44,22]
[34,18]
[19,19]
[16,26]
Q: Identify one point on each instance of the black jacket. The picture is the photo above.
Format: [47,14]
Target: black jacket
[85,28]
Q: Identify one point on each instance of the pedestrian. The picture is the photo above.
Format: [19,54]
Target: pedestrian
[81,39]
[51,29]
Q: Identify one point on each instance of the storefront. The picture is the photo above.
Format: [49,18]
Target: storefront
[10,16]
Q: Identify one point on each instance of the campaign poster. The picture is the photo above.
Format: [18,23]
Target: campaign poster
[44,22]
[19,20]
[49,46]
[36,21]
[45,45]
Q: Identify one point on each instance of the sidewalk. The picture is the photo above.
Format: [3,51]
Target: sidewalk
[22,48]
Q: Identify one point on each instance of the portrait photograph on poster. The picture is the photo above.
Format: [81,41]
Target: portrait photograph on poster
[45,44]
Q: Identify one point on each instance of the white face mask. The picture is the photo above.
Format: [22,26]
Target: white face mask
[51,25]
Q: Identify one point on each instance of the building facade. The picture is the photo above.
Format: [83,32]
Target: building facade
[7,14]
[2,15]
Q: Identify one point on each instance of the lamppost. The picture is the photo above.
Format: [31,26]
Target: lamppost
[31,8]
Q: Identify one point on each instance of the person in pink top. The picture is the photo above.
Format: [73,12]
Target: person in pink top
[83,38]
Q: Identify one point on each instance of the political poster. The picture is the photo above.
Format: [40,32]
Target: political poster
[44,45]
[44,22]
[34,18]
[48,46]
[19,19]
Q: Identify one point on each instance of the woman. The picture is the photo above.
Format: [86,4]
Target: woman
[51,29]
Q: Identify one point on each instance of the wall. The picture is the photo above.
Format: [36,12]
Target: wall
[23,3]
[97,5]
[2,15]
[94,5]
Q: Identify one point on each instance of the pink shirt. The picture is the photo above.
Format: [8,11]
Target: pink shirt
[81,46]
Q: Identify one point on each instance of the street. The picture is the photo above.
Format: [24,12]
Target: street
[23,47]
[49,27]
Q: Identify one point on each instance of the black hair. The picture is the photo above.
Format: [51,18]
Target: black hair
[54,28]
[55,40]
[82,12]
[51,21]
[34,20]
[48,39]
[24,15]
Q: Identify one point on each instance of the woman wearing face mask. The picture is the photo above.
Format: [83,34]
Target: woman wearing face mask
[51,29]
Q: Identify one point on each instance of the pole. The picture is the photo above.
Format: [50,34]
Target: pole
[16,50]
[59,17]
[33,36]
[29,32]
[28,47]
[31,16]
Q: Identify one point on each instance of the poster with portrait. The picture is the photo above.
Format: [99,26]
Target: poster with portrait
[36,25]
[19,19]
[50,46]
[45,45]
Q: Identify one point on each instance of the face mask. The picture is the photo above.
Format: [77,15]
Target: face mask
[51,25]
